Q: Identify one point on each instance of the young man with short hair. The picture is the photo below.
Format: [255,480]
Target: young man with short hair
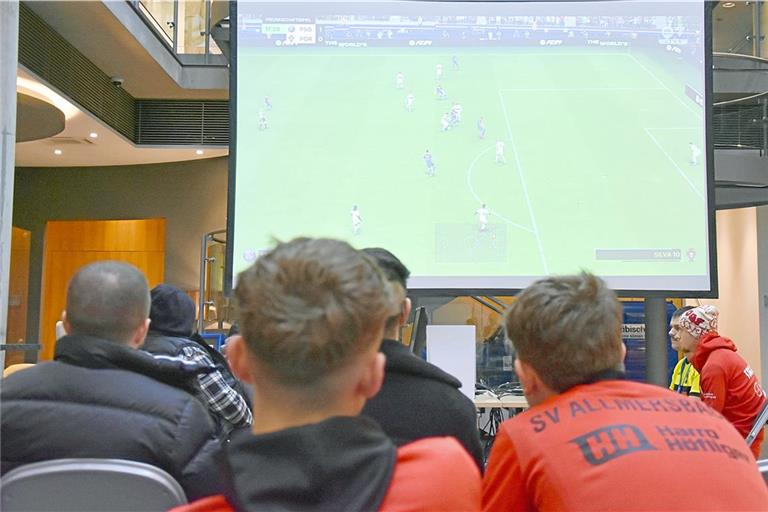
[685,378]
[592,441]
[312,315]
[102,398]
[417,399]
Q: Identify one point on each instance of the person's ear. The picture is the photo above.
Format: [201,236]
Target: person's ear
[65,322]
[372,378]
[623,351]
[139,334]
[237,355]
[536,391]
[406,311]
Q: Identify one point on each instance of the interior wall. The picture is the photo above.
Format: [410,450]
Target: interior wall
[739,299]
[191,196]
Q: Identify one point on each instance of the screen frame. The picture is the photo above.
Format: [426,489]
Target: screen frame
[712,292]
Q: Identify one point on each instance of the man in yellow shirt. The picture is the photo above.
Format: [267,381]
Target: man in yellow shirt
[685,378]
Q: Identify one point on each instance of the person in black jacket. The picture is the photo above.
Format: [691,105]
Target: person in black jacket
[103,398]
[418,399]
[172,316]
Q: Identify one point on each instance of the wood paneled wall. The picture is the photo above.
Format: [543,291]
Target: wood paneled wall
[18,293]
[71,244]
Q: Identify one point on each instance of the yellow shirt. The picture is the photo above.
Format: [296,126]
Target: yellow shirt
[685,379]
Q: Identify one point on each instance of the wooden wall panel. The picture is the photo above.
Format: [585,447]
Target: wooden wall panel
[18,293]
[70,245]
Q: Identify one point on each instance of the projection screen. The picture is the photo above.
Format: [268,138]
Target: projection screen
[487,144]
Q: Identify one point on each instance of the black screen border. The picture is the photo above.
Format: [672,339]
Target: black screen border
[708,7]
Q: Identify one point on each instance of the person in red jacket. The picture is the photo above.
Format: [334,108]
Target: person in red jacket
[728,383]
[312,315]
[593,441]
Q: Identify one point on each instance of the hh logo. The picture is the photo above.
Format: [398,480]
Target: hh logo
[607,443]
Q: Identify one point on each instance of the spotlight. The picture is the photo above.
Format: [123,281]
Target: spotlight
[57,151]
[93,135]
[199,152]
[728,5]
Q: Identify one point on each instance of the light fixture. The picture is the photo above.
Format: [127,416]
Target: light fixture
[93,135]
[57,151]
[199,152]
[728,5]
[45,93]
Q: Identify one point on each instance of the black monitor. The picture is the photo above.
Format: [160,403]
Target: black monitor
[418,341]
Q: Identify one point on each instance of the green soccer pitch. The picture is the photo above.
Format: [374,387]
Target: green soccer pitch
[596,144]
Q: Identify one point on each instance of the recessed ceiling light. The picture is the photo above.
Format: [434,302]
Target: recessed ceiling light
[57,151]
[199,152]
[93,135]
[728,5]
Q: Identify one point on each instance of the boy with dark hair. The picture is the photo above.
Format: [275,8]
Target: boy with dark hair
[417,399]
[312,315]
[592,441]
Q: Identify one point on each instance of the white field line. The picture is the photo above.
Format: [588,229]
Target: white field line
[679,170]
[525,186]
[658,80]
[584,89]
[470,171]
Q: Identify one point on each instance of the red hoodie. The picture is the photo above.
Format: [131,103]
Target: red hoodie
[728,384]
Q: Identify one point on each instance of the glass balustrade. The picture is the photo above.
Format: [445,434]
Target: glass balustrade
[184,26]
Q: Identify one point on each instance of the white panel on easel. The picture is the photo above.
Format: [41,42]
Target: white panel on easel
[452,349]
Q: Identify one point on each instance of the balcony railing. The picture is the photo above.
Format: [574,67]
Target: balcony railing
[185,28]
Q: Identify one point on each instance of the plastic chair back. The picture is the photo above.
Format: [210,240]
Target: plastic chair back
[104,485]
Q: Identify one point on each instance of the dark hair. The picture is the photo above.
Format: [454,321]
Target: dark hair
[310,305]
[395,272]
[393,268]
[108,300]
[567,328]
[679,311]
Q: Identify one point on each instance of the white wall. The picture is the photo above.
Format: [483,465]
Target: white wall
[740,298]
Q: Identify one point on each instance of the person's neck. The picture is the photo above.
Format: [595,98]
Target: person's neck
[272,415]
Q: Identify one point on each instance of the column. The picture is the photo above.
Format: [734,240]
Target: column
[656,340]
[9,45]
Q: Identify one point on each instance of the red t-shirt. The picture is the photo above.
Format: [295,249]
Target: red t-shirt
[432,474]
[620,445]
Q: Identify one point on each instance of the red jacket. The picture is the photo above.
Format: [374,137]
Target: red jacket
[728,384]
[621,445]
[433,474]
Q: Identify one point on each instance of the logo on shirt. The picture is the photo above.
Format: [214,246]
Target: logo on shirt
[749,372]
[608,443]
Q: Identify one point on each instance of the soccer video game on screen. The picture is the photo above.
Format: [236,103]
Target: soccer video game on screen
[486,144]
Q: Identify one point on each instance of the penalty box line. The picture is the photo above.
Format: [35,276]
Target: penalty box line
[523,183]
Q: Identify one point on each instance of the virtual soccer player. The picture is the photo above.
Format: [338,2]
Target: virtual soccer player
[500,153]
[357,220]
[429,163]
[482,215]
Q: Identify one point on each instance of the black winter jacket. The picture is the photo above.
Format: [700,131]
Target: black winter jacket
[104,400]
[420,400]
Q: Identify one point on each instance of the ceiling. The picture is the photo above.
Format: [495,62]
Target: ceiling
[92,28]
[731,26]
[75,147]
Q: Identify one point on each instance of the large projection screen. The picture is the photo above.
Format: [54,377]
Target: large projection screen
[487,144]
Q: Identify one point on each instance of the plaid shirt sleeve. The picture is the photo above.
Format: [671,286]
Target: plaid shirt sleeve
[222,399]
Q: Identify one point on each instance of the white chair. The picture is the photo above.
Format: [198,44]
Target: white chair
[80,485]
